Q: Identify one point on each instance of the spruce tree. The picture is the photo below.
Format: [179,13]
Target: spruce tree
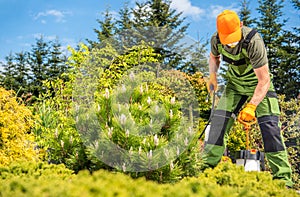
[155,22]
[8,80]
[22,73]
[270,25]
[39,64]
[291,47]
[106,30]
[198,59]
[15,74]
[57,61]
[245,13]
[124,27]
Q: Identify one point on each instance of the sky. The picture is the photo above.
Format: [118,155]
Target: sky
[74,21]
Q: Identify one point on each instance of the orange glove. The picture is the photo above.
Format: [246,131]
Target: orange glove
[212,83]
[248,113]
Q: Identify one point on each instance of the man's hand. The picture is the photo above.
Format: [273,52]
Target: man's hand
[212,84]
[248,113]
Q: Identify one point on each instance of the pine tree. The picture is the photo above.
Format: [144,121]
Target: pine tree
[8,80]
[22,73]
[39,63]
[156,23]
[270,25]
[124,27]
[245,13]
[106,30]
[57,61]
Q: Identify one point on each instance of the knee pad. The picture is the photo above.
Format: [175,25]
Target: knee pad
[218,127]
[271,135]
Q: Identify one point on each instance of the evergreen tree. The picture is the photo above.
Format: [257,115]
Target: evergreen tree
[106,31]
[124,27]
[198,59]
[39,62]
[8,80]
[271,26]
[245,13]
[22,73]
[156,23]
[15,73]
[124,22]
[289,73]
[57,61]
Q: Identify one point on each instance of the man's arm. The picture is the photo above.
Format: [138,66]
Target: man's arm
[214,63]
[263,76]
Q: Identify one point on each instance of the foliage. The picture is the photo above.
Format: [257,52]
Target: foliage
[139,118]
[16,141]
[245,13]
[37,170]
[290,119]
[68,130]
[225,180]
[155,23]
[24,72]
[282,47]
[55,127]
[199,85]
[15,73]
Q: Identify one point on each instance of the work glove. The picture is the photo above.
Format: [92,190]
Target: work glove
[212,84]
[248,113]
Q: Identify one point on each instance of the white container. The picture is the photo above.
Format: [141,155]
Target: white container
[250,159]
[250,165]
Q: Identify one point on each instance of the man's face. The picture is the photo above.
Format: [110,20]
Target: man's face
[233,44]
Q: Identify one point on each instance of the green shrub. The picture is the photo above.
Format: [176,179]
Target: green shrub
[290,119]
[67,127]
[225,180]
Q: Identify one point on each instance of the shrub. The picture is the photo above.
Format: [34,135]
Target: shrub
[226,180]
[16,140]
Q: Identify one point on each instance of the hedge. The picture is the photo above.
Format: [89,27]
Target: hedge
[40,179]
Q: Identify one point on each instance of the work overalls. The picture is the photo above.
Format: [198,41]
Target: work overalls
[241,83]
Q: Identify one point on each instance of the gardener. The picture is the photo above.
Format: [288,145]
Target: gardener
[248,81]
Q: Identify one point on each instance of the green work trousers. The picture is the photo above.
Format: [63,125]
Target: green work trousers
[267,114]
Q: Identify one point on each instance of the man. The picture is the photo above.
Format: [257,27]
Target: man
[248,81]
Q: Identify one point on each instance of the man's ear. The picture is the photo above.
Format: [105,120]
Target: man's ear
[241,24]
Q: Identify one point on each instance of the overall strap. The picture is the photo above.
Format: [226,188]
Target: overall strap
[249,36]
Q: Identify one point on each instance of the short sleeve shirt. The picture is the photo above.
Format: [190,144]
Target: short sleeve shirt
[256,50]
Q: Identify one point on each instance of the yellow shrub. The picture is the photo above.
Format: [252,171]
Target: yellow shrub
[16,142]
